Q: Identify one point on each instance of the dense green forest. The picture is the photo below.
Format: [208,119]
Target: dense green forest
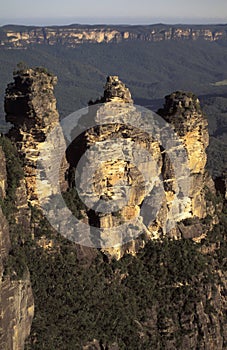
[114,302]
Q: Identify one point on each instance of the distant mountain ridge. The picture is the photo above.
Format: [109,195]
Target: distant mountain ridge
[15,36]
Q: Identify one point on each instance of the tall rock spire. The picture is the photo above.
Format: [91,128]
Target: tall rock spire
[183,111]
[30,105]
[115,91]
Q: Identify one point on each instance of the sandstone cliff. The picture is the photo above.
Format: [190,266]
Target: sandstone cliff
[30,106]
[175,180]
[183,111]
[70,36]
[120,166]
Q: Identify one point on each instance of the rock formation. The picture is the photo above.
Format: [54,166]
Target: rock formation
[30,106]
[123,160]
[115,90]
[183,112]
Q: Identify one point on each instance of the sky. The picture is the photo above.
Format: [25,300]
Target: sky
[46,12]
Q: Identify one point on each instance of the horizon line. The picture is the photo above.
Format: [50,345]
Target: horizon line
[112,24]
[122,20]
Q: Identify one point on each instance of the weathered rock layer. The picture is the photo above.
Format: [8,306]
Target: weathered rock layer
[30,106]
[71,36]
[183,111]
[112,159]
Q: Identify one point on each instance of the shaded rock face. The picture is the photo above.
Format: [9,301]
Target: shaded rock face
[16,298]
[183,112]
[221,184]
[115,89]
[30,106]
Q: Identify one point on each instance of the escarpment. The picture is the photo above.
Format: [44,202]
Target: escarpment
[71,36]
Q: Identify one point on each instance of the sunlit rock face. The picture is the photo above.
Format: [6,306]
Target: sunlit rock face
[183,111]
[117,168]
[30,105]
[71,36]
[133,186]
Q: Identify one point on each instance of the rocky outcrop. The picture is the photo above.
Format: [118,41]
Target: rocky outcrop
[150,207]
[114,91]
[30,106]
[114,164]
[16,298]
[17,312]
[71,36]
[183,111]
